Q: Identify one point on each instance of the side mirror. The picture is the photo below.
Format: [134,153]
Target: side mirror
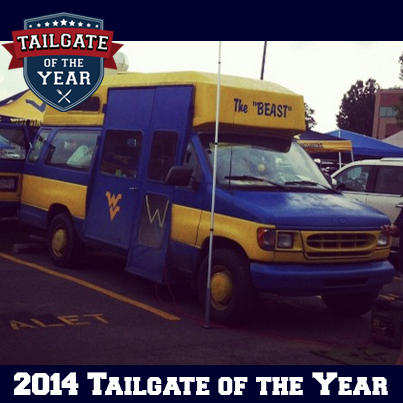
[341,187]
[179,176]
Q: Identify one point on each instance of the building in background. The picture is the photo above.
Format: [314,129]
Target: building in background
[385,124]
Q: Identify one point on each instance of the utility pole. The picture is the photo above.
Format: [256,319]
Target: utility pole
[263,60]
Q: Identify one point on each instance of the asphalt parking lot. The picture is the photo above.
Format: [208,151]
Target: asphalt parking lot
[97,314]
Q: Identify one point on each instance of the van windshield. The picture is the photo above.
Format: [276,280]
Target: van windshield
[256,161]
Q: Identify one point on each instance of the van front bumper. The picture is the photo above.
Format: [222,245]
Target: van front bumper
[320,279]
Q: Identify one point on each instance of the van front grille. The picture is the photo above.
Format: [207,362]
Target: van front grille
[334,245]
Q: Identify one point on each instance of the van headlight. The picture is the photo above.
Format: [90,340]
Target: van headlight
[285,240]
[383,240]
[268,239]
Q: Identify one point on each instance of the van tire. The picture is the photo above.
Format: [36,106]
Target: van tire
[350,305]
[232,293]
[62,241]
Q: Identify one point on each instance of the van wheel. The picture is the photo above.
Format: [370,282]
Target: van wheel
[231,289]
[62,241]
[350,305]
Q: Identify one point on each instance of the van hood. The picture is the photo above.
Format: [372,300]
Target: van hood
[306,210]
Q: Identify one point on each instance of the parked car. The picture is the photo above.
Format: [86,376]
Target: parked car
[378,183]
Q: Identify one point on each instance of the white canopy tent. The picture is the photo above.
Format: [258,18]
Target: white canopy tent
[395,139]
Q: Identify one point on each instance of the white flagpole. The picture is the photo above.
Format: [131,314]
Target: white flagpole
[208,288]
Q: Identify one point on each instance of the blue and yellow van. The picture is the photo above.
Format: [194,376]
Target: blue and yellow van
[20,118]
[15,141]
[131,171]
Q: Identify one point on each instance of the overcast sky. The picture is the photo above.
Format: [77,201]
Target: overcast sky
[321,71]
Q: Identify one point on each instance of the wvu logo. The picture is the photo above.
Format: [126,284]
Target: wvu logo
[113,204]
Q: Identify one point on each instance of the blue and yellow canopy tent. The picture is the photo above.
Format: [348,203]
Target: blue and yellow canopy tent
[319,143]
[23,108]
[367,147]
[325,147]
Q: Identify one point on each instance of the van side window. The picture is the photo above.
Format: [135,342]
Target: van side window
[12,143]
[121,153]
[163,153]
[72,149]
[355,178]
[38,146]
[389,180]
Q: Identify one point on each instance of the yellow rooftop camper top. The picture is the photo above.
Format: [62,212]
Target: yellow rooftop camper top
[244,102]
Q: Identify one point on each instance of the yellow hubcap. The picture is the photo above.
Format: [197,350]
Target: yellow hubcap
[221,289]
[59,241]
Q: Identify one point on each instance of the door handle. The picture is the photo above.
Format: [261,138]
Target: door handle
[134,188]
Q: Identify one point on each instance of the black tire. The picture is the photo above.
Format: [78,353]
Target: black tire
[350,305]
[231,290]
[63,244]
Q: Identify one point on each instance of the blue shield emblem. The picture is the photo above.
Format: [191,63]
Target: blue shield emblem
[68,65]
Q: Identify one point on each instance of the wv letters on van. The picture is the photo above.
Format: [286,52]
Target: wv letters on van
[113,204]
[63,56]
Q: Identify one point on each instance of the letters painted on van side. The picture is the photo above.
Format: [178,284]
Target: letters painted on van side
[113,204]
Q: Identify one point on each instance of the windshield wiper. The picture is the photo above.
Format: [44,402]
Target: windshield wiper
[307,183]
[255,178]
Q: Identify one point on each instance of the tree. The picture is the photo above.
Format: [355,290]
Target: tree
[310,121]
[399,108]
[401,66]
[356,112]
[399,113]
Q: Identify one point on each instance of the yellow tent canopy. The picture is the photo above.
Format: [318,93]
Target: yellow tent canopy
[24,107]
[326,146]
[319,143]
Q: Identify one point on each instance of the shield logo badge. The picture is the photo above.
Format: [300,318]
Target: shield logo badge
[63,57]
